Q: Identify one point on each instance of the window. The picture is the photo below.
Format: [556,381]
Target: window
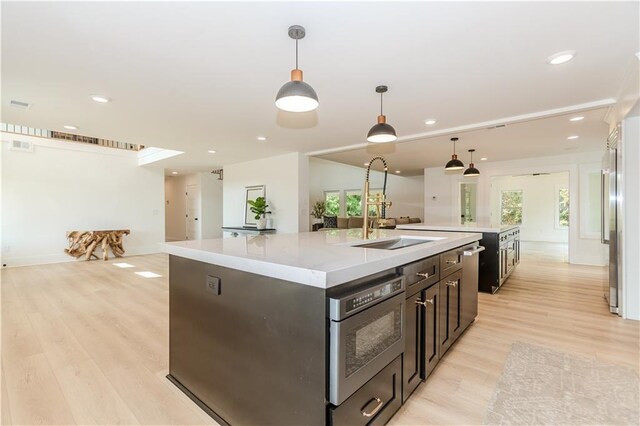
[373,210]
[563,207]
[353,201]
[332,203]
[511,208]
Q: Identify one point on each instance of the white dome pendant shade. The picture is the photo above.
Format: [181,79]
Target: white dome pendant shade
[382,132]
[296,95]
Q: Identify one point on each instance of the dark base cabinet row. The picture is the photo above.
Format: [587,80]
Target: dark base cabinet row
[443,306]
[441,302]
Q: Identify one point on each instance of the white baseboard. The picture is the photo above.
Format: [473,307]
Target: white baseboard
[44,259]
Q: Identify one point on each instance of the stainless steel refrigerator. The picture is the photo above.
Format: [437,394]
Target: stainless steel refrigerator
[611,208]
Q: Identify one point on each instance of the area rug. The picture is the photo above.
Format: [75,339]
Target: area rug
[541,386]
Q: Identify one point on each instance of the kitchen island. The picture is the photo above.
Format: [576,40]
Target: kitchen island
[315,328]
[502,254]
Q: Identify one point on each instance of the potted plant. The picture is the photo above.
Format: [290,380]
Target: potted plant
[259,208]
[317,211]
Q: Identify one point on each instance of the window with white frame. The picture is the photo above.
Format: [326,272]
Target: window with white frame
[332,203]
[353,202]
[562,207]
[511,207]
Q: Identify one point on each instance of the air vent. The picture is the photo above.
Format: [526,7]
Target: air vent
[20,104]
[21,146]
[497,126]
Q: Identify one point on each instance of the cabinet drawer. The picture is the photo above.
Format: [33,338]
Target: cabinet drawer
[420,275]
[375,402]
[450,262]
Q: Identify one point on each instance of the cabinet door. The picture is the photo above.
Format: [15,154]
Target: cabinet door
[431,297]
[449,310]
[412,358]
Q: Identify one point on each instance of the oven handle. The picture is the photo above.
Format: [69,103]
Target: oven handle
[471,252]
[375,410]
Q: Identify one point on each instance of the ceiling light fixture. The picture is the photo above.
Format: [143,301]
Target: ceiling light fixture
[211,151]
[578,118]
[430,122]
[100,99]
[382,132]
[262,138]
[174,173]
[296,95]
[471,171]
[573,137]
[397,171]
[484,159]
[68,127]
[366,164]
[561,57]
[454,163]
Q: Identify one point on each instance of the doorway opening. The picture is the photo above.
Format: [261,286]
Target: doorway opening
[539,204]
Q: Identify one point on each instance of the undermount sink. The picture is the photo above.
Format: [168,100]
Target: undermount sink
[396,243]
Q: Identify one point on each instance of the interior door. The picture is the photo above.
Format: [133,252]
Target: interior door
[193,212]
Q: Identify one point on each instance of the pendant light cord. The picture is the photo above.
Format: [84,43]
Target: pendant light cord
[381,104]
[454,147]
[296,53]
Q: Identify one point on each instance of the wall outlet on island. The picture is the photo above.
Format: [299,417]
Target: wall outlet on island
[213,284]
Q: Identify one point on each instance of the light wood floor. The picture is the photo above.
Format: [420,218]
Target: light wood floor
[87,343]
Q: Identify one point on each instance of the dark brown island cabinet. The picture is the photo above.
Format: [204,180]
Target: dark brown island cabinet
[501,254]
[442,301]
[255,349]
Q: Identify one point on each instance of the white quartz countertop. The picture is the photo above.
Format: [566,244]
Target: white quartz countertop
[320,259]
[474,227]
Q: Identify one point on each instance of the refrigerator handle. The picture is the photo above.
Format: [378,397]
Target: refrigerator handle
[603,237]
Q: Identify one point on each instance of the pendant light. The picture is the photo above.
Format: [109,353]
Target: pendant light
[454,163]
[382,132]
[471,171]
[296,95]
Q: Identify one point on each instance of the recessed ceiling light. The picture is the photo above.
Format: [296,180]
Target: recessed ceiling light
[484,159]
[174,173]
[68,127]
[578,118]
[561,57]
[366,164]
[430,122]
[101,99]
[573,137]
[211,151]
[397,171]
[262,138]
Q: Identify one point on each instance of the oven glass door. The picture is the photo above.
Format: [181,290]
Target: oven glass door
[364,344]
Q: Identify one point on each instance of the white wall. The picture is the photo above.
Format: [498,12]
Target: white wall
[64,186]
[441,196]
[210,205]
[285,177]
[539,205]
[406,193]
[210,214]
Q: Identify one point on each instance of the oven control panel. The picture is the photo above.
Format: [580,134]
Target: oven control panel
[365,298]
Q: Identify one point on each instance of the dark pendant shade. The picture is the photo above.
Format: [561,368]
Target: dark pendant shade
[382,132]
[454,164]
[471,171]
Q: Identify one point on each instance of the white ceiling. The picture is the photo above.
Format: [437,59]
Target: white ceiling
[200,76]
[521,140]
